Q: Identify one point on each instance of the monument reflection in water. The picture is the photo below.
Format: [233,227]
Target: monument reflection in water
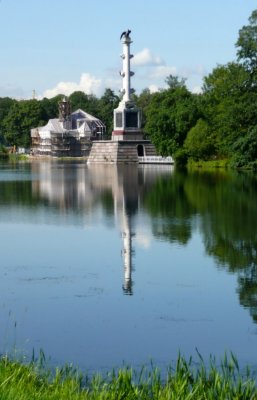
[125,183]
[83,187]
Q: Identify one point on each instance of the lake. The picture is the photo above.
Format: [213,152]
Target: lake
[106,265]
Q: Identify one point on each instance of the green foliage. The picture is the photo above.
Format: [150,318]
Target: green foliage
[86,102]
[246,150]
[49,108]
[3,149]
[107,103]
[208,164]
[22,116]
[229,103]
[5,105]
[247,44]
[170,115]
[224,105]
[220,123]
[199,143]
[2,139]
[143,101]
[175,82]
[181,157]
[230,111]
[3,152]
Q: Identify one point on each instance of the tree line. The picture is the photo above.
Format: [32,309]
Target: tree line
[219,123]
[18,117]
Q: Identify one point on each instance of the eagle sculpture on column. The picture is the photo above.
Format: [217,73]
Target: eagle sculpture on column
[125,33]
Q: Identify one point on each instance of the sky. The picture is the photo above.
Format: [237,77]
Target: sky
[48,47]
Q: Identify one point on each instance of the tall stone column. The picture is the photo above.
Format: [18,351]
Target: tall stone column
[127,116]
[126,72]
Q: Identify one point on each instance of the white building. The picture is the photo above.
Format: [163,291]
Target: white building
[69,135]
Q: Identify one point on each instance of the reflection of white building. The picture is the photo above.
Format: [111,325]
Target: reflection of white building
[68,135]
[66,188]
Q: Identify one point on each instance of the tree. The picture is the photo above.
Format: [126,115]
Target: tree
[227,105]
[107,103]
[21,118]
[199,143]
[87,102]
[245,149]
[143,101]
[175,82]
[170,115]
[50,107]
[247,44]
[5,105]
[229,101]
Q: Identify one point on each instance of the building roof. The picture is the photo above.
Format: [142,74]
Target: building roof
[53,125]
[81,121]
[80,114]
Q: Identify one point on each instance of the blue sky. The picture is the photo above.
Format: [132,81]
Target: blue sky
[54,46]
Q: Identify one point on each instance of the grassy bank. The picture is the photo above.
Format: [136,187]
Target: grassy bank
[13,157]
[185,381]
[222,163]
[208,164]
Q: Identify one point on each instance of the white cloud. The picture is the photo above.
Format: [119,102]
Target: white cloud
[197,90]
[197,70]
[152,76]
[143,240]
[193,75]
[146,58]
[88,84]
[112,83]
[153,88]
[162,71]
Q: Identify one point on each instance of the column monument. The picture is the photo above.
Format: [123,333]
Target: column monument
[127,116]
[127,144]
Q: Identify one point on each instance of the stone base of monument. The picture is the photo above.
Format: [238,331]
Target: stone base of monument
[115,152]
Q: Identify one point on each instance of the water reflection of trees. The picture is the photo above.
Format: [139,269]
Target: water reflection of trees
[170,209]
[15,185]
[230,235]
[226,206]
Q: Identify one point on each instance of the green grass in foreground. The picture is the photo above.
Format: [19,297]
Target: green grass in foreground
[18,381]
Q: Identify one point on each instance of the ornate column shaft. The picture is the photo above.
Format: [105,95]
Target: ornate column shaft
[126,73]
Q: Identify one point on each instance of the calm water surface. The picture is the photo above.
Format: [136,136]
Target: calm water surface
[105,265]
